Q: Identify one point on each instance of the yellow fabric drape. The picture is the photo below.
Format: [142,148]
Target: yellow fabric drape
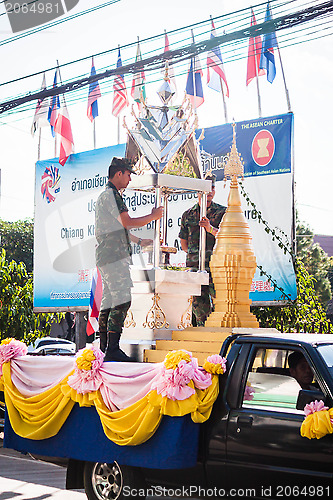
[35,417]
[42,416]
[318,424]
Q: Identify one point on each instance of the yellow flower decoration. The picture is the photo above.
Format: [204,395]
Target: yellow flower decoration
[84,361]
[174,357]
[212,368]
[6,341]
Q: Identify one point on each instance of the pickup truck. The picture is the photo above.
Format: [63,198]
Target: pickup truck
[251,446]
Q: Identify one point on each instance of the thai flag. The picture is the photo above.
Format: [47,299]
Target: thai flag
[54,106]
[93,95]
[214,61]
[194,83]
[95,302]
[64,129]
[120,100]
[267,60]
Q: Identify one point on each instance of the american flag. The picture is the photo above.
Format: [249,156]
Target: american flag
[93,95]
[120,100]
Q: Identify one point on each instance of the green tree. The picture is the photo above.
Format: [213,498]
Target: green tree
[17,239]
[315,261]
[17,318]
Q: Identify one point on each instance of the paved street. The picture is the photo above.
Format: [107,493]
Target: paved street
[23,478]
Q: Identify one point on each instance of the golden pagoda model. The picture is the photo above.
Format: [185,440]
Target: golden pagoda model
[233,262]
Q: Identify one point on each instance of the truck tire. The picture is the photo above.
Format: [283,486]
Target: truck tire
[104,481]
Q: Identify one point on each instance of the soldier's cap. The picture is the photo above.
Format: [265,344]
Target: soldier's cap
[122,164]
[210,177]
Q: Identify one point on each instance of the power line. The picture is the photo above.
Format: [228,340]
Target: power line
[179,55]
[218,19]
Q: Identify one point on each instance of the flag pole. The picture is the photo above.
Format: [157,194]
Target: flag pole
[224,102]
[284,79]
[94,133]
[257,80]
[193,79]
[118,131]
[39,143]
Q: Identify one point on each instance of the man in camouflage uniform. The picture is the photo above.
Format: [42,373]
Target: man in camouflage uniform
[113,256]
[189,235]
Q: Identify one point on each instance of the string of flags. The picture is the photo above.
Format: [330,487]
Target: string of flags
[260,61]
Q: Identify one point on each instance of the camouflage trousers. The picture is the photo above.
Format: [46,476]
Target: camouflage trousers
[116,298]
[202,305]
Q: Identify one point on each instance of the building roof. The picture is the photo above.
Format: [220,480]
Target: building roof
[326,243]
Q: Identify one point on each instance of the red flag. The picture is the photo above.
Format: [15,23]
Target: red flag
[171,72]
[254,54]
[96,292]
[63,128]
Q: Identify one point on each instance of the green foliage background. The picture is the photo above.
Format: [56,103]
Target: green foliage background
[17,318]
[17,239]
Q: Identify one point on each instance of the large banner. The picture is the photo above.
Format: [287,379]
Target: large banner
[65,201]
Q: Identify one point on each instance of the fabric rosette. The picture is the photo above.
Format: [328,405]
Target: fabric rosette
[215,364]
[318,420]
[11,348]
[86,377]
[180,376]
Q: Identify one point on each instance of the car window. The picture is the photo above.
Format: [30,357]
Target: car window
[269,383]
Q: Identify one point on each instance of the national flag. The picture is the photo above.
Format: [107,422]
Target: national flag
[267,60]
[138,86]
[214,61]
[93,95]
[120,100]
[41,112]
[171,72]
[54,106]
[63,128]
[96,291]
[254,53]
[194,83]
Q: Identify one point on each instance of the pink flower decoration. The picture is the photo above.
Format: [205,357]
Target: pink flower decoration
[218,360]
[314,406]
[87,379]
[10,349]
[173,383]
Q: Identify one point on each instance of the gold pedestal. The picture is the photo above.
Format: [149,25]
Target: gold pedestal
[233,265]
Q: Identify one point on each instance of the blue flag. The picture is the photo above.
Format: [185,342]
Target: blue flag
[267,60]
[194,89]
[54,106]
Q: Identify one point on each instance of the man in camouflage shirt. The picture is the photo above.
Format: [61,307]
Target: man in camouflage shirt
[189,235]
[113,256]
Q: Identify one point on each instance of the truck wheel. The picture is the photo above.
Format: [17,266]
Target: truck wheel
[104,481]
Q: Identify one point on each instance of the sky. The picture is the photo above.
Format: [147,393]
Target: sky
[307,66]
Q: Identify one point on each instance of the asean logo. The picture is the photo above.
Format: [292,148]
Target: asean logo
[263,148]
[50,183]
